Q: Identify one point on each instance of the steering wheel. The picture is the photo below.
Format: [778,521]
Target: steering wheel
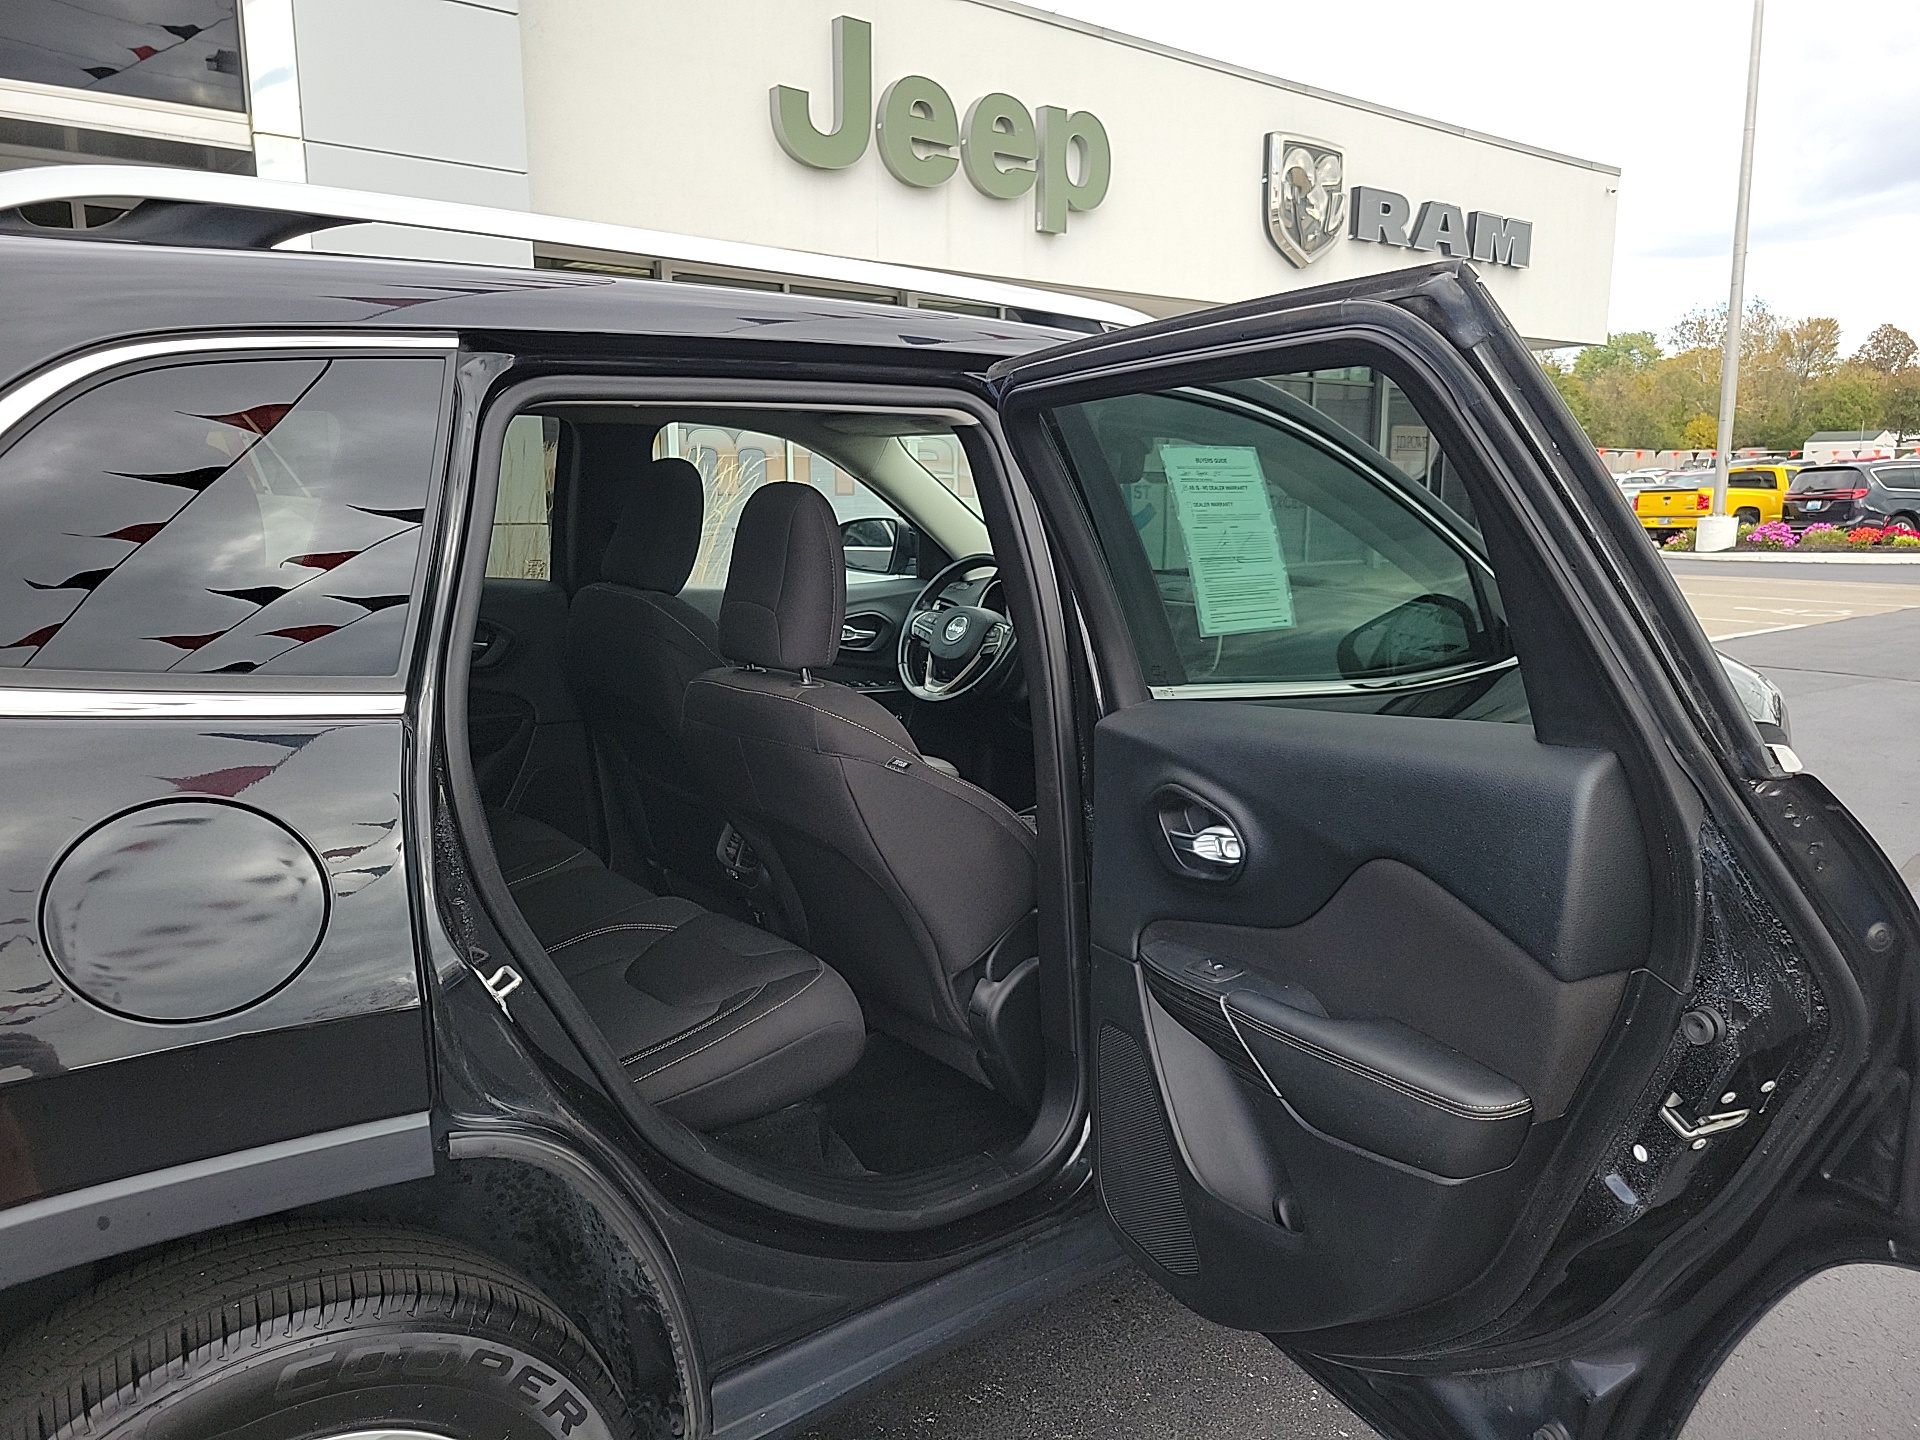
[950,649]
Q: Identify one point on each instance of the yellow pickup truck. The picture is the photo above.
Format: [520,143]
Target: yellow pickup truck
[1754,493]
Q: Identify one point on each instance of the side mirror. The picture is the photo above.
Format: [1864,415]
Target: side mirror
[1423,634]
[880,546]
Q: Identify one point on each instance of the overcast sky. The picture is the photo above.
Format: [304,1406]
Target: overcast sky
[1655,87]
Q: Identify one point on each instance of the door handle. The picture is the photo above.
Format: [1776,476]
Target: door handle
[490,643]
[1200,841]
[1214,845]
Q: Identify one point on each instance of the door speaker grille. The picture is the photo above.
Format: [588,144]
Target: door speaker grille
[1139,1174]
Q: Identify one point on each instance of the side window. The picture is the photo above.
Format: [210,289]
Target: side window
[521,547]
[1289,534]
[735,463]
[1753,479]
[226,517]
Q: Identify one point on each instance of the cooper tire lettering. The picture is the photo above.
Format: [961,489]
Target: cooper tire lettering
[303,1376]
[288,1331]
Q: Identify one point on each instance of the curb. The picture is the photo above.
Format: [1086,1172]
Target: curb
[1781,557]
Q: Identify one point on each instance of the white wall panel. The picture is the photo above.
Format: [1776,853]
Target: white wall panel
[656,114]
[435,79]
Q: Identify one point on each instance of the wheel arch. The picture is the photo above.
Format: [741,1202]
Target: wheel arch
[539,1208]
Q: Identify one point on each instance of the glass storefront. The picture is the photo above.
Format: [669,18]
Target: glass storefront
[185,51]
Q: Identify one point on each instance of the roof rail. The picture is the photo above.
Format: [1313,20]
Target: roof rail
[242,212]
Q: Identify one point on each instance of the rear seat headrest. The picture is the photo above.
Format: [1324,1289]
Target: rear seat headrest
[658,537]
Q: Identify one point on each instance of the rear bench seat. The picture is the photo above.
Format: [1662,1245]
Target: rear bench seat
[715,1021]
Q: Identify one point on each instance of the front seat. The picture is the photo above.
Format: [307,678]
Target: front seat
[903,878]
[633,645]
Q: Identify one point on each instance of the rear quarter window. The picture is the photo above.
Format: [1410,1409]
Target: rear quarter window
[225,517]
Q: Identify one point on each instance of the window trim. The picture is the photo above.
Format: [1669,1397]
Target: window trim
[148,693]
[22,702]
[21,401]
[1302,689]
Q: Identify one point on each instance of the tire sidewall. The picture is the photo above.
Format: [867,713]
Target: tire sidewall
[396,1374]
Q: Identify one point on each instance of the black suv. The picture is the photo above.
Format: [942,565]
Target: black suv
[1858,492]
[528,912]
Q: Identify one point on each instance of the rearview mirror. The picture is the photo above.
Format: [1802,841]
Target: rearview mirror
[880,546]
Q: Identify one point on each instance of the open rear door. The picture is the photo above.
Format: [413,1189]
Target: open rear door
[1476,1005]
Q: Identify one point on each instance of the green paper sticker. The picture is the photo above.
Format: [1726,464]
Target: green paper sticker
[1233,546]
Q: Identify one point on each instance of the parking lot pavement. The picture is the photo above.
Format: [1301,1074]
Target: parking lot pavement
[1119,1359]
[1734,600]
[1853,697]
[1840,1357]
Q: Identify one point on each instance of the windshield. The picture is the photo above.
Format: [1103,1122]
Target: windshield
[945,459]
[1827,477]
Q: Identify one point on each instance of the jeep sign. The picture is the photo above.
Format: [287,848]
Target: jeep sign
[1006,150]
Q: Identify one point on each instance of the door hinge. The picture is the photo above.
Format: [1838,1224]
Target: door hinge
[1697,1130]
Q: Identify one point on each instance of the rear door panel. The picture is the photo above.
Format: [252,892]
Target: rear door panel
[1429,891]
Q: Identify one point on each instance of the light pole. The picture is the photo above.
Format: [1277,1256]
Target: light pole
[1717,529]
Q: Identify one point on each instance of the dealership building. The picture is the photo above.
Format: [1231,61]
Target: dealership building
[984,141]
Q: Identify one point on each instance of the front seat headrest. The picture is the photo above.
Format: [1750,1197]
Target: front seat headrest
[787,585]
[658,537]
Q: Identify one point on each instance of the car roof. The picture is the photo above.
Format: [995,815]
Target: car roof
[62,295]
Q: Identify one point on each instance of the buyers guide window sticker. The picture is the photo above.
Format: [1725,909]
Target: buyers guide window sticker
[1233,545]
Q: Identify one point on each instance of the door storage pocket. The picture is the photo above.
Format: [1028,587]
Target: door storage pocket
[1383,1087]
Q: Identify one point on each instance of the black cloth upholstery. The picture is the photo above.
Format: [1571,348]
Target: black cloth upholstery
[899,875]
[786,584]
[658,537]
[714,1021]
[632,648]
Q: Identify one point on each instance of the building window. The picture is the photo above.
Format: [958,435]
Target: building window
[223,518]
[521,547]
[735,463]
[185,51]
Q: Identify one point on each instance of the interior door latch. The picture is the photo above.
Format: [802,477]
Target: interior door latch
[1699,1129]
[1201,842]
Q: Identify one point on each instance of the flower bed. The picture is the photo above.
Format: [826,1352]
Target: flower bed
[1777,535]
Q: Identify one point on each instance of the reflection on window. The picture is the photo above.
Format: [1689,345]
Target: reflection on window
[221,518]
[1259,540]
[1371,407]
[186,51]
[521,547]
[735,463]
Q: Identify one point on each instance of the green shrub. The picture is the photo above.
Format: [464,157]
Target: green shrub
[1825,538]
[1902,542]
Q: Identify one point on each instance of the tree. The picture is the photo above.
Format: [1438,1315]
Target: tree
[1902,406]
[1889,349]
[1702,432]
[1630,395]
[1629,350]
[1842,402]
[1810,349]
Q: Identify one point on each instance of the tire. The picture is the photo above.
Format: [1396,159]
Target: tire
[309,1330]
[1904,519]
[1747,515]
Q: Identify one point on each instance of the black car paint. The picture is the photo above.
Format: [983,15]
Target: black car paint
[698,1240]
[339,785]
